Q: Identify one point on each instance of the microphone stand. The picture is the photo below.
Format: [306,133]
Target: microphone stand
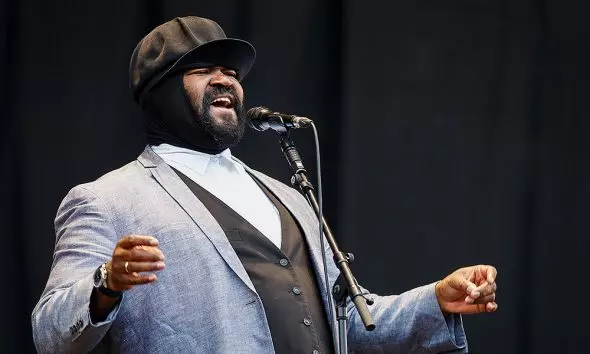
[346,285]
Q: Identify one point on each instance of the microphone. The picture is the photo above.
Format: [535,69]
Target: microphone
[262,118]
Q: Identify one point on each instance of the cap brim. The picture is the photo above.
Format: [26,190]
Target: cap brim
[232,53]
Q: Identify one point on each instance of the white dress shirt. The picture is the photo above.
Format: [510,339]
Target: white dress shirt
[227,180]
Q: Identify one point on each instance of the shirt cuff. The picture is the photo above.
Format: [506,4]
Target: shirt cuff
[110,318]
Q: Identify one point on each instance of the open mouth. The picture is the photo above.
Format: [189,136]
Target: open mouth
[223,101]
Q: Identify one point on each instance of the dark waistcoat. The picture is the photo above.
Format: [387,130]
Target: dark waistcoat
[283,278]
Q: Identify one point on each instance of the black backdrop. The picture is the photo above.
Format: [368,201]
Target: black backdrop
[453,133]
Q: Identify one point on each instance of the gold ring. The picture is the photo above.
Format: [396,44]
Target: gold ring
[126,265]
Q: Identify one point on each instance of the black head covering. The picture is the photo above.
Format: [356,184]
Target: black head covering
[156,81]
[170,118]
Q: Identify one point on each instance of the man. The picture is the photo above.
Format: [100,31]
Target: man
[187,250]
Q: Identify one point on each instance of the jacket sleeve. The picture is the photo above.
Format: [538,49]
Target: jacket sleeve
[411,322]
[85,238]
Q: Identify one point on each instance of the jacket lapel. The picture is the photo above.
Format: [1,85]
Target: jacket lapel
[178,190]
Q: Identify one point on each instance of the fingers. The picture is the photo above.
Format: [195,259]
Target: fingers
[138,279]
[481,299]
[130,241]
[480,308]
[468,290]
[121,279]
[490,273]
[139,253]
[491,307]
[484,290]
[133,258]
[463,284]
[124,281]
[138,267]
[484,296]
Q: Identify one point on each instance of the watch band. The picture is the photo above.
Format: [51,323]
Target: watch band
[100,282]
[110,293]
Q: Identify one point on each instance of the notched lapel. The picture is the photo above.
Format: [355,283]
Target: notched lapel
[178,190]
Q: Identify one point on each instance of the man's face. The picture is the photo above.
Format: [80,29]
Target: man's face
[216,97]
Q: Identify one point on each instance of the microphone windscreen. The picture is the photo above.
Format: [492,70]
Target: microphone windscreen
[255,116]
[256,113]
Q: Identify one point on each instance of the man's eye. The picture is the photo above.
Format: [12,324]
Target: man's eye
[198,71]
[231,73]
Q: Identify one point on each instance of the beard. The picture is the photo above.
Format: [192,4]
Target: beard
[226,132]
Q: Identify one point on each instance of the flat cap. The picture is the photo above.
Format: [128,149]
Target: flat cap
[181,43]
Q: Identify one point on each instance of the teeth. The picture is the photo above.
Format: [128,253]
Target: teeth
[222,99]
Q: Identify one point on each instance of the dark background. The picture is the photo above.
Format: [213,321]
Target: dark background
[452,132]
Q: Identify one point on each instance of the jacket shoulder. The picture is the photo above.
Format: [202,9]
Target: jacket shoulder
[117,181]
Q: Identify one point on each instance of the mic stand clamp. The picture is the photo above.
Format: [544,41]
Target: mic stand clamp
[346,285]
[340,293]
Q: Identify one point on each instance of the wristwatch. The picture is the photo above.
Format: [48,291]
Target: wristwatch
[100,282]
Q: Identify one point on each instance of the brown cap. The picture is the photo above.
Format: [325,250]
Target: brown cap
[181,43]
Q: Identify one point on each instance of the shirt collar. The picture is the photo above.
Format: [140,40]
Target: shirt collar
[195,160]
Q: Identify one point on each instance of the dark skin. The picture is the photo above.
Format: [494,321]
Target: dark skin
[467,290]
[198,81]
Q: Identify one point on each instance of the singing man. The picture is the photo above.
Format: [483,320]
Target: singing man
[188,250]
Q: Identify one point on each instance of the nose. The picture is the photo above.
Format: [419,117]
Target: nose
[221,79]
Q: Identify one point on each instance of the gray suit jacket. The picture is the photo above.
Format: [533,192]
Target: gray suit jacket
[203,302]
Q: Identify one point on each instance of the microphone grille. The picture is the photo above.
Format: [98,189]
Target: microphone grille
[257,113]
[255,116]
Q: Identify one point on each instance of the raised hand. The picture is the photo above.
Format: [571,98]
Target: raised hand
[468,290]
[134,254]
